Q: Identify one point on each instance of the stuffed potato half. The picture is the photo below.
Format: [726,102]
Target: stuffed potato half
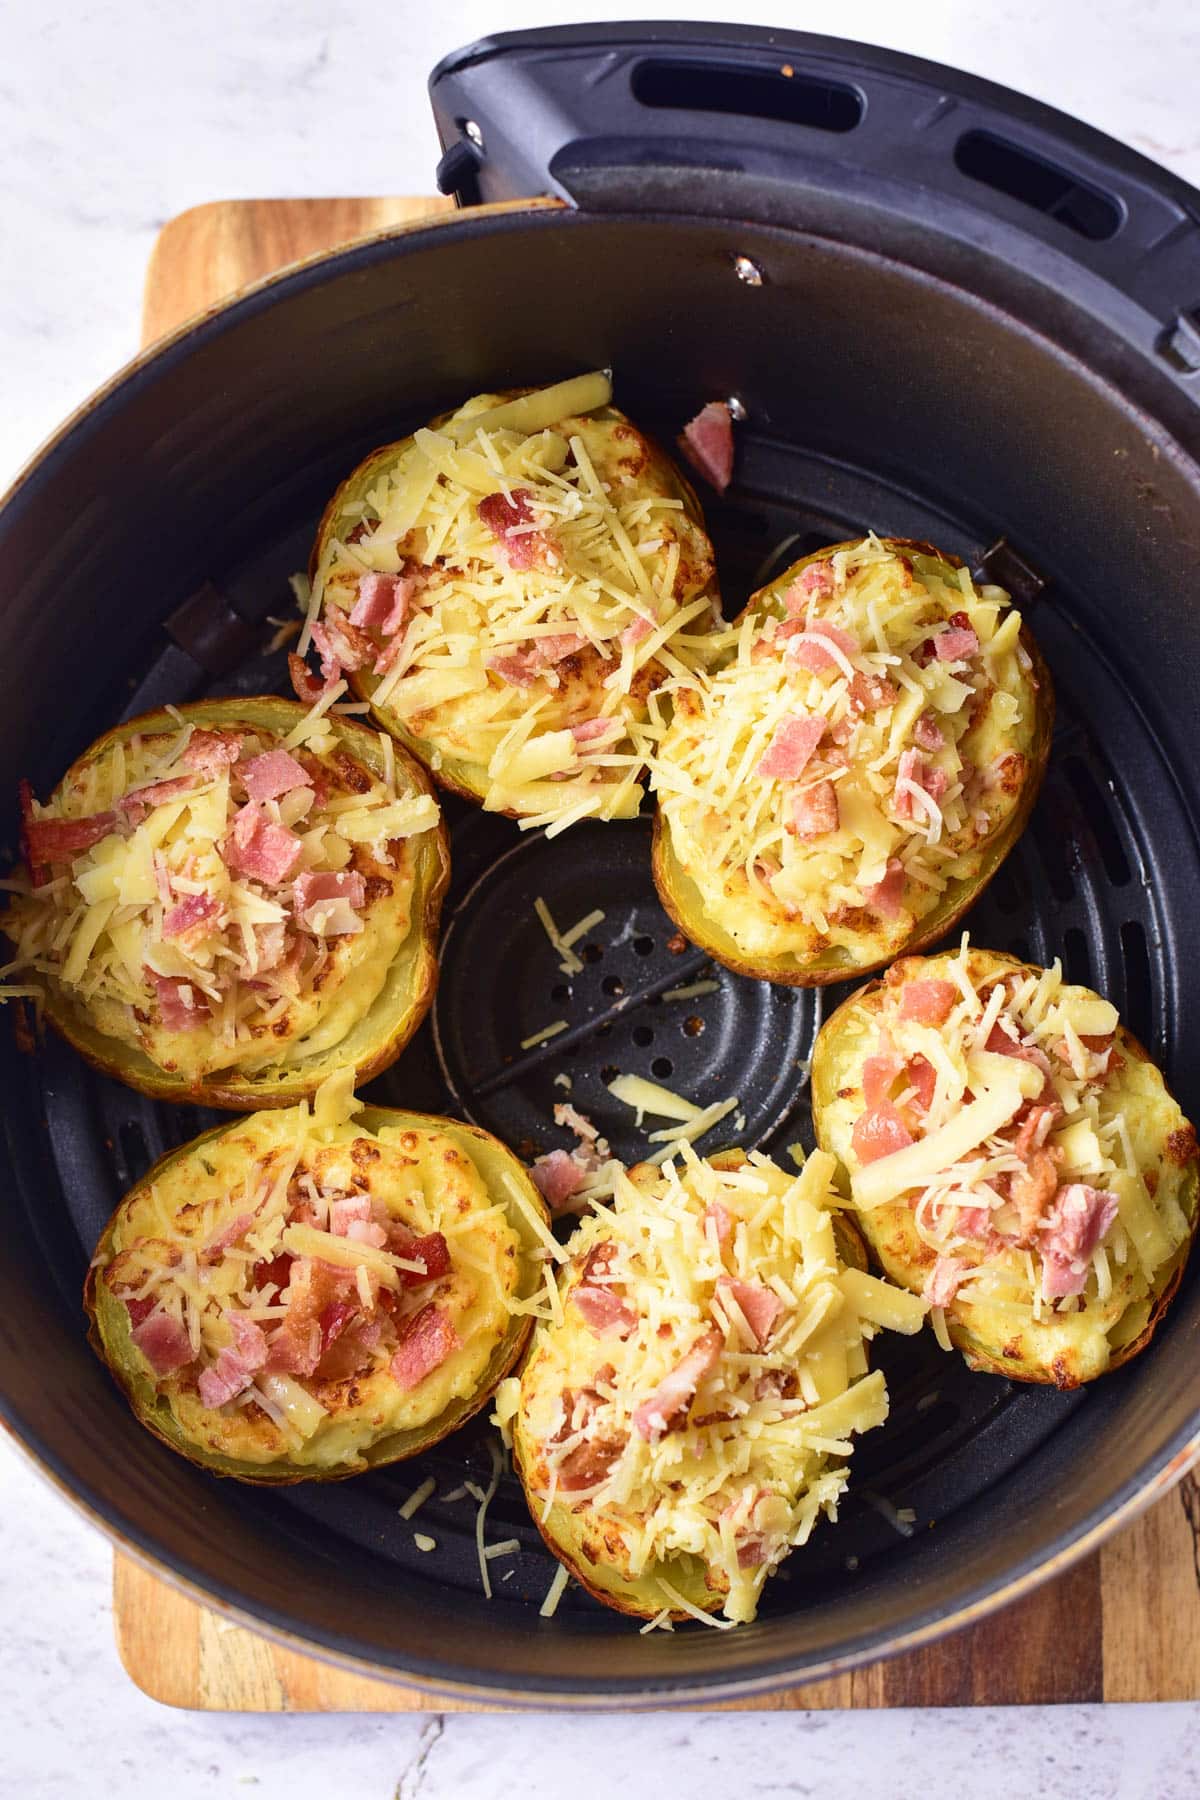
[506,587]
[1013,1155]
[854,769]
[304,1294]
[226,902]
[685,1418]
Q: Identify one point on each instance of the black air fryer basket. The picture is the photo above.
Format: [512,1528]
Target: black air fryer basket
[948,313]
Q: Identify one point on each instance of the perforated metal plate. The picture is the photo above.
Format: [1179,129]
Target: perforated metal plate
[1084,883]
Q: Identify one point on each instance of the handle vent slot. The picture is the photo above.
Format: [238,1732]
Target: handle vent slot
[752,93]
[1086,210]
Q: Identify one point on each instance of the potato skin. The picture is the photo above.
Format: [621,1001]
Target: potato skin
[458,775]
[399,1009]
[108,1321]
[683,902]
[1065,1355]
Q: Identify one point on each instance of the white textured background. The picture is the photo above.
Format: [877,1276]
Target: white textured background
[113,117]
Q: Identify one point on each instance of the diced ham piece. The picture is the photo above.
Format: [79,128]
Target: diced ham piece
[667,1406]
[880,1132]
[814,811]
[957,642]
[365,1231]
[1035,1127]
[556,646]
[212,751]
[887,896]
[817,582]
[880,1073]
[351,1352]
[596,731]
[758,1305]
[605,1313]
[181,1006]
[557,1178]
[913,768]
[928,733]
[138,801]
[305,685]
[341,645]
[186,914]
[272,775]
[808,647]
[1032,1189]
[922,1076]
[720,1219]
[341,1212]
[327,902]
[517,670]
[236,1228]
[139,1309]
[335,1319]
[871,693]
[313,1289]
[1000,1043]
[426,1341]
[637,630]
[162,1341]
[975,1222]
[791,748]
[60,840]
[236,1365]
[258,848]
[931,1002]
[1070,1235]
[383,601]
[944,1279]
[587,1464]
[707,442]
[431,1251]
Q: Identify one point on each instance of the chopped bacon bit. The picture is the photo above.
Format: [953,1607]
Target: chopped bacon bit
[605,1313]
[236,1365]
[975,1222]
[211,751]
[517,670]
[270,776]
[503,514]
[313,1287]
[957,642]
[181,1006]
[587,1464]
[637,630]
[557,646]
[880,1132]
[887,896]
[817,582]
[260,849]
[1068,1240]
[1001,1044]
[707,442]
[814,811]
[870,693]
[186,914]
[341,1212]
[944,1280]
[791,748]
[236,1228]
[315,886]
[928,733]
[138,801]
[380,598]
[557,1178]
[913,768]
[431,1250]
[162,1341]
[806,649]
[305,684]
[426,1340]
[758,1305]
[923,1077]
[668,1404]
[351,1351]
[1035,1127]
[139,1309]
[341,645]
[39,873]
[1033,1188]
[720,1219]
[595,731]
[334,1319]
[880,1072]
[931,1002]
[276,1270]
[59,840]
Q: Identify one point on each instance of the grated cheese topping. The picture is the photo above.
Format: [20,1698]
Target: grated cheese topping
[715,1481]
[550,567]
[918,758]
[167,935]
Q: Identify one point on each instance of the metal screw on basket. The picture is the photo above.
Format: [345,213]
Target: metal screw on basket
[747,270]
[471,130]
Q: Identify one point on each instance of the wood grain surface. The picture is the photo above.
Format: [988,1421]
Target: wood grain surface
[1124,1624]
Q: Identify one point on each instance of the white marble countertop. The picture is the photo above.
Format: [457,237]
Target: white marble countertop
[116,116]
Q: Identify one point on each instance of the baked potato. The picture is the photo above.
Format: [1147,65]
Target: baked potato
[226,902]
[506,588]
[1014,1156]
[861,759]
[305,1294]
[685,1420]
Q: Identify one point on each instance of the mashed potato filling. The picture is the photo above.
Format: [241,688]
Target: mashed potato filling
[220,898]
[865,738]
[686,1423]
[295,1289]
[506,587]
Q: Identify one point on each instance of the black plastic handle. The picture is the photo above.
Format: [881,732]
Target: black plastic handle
[789,128]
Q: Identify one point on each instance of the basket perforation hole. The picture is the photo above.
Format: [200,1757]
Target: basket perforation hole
[1097,811]
[662,1066]
[560,991]
[609,1072]
[592,952]
[642,946]
[1077,960]
[642,1035]
[612,984]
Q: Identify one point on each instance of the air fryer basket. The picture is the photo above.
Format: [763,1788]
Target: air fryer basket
[970,372]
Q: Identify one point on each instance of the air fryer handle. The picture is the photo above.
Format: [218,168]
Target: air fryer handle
[739,121]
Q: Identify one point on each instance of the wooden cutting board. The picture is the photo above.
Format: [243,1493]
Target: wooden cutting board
[1124,1624]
